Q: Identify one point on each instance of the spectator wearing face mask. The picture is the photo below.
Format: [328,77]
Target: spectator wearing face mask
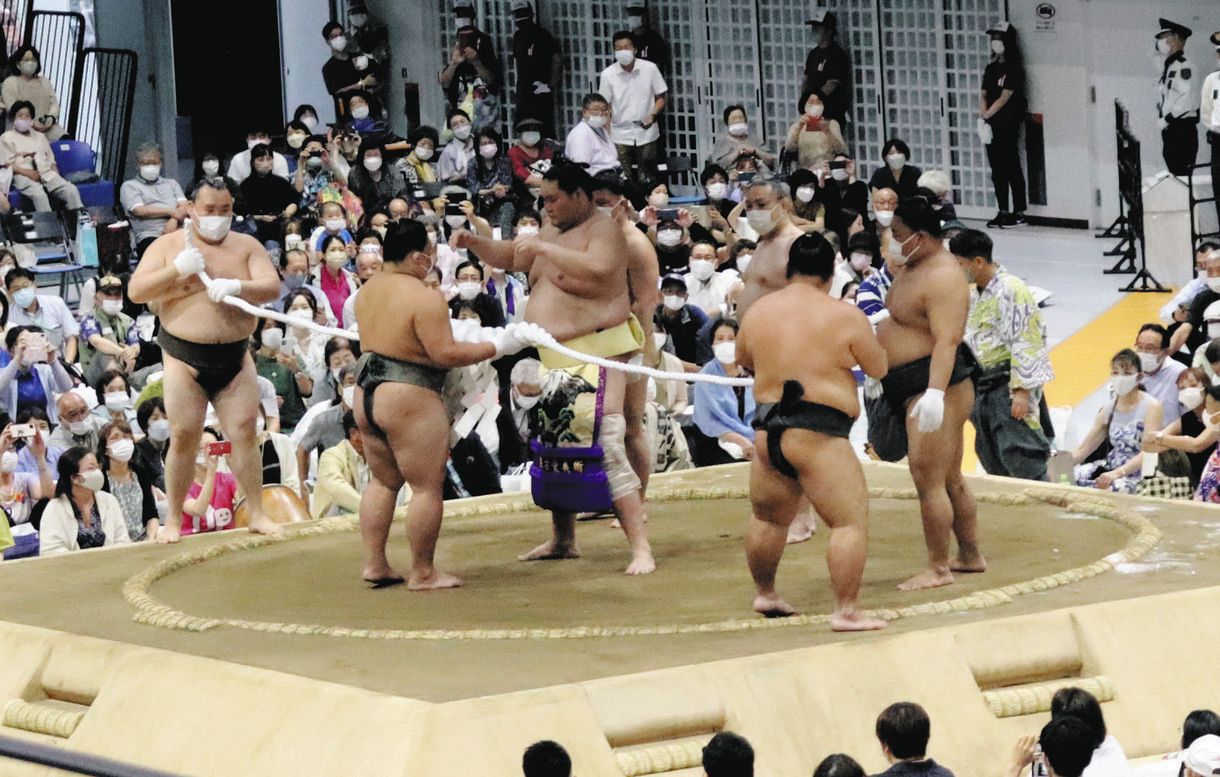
[813,138]
[936,186]
[342,474]
[338,353]
[368,255]
[114,399]
[416,166]
[469,281]
[539,64]
[738,141]
[530,147]
[885,203]
[212,494]
[507,291]
[517,400]
[472,78]
[896,173]
[20,490]
[27,83]
[1122,421]
[133,487]
[78,426]
[48,312]
[301,342]
[152,447]
[683,323]
[333,222]
[490,179]
[269,199]
[294,274]
[707,288]
[636,92]
[81,515]
[372,181]
[332,276]
[324,429]
[827,66]
[809,214]
[460,151]
[27,152]
[589,142]
[30,375]
[340,73]
[240,166]
[286,373]
[1189,433]
[1159,373]
[110,339]
[842,190]
[1209,482]
[318,168]
[723,414]
[295,135]
[153,203]
[209,169]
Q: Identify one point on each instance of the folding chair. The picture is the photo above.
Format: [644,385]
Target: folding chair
[44,234]
[77,162]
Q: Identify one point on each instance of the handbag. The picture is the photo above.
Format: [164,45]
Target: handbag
[573,479]
[1165,487]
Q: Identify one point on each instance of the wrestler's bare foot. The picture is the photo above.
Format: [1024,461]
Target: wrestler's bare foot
[928,578]
[642,564]
[550,551]
[167,535]
[969,562]
[382,575]
[853,620]
[264,525]
[433,582]
[802,527]
[772,605]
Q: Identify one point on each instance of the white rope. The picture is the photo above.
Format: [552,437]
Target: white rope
[470,333]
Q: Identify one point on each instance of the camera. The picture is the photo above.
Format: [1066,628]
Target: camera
[667,214]
[221,448]
[22,431]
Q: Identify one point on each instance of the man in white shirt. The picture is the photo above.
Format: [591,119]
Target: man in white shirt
[239,166]
[46,311]
[1178,308]
[636,92]
[706,288]
[589,142]
[1159,374]
[150,199]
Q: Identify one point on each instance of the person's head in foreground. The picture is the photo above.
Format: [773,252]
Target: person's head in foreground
[1067,746]
[728,755]
[903,730]
[546,759]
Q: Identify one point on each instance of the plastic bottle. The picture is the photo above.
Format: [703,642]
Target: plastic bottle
[86,239]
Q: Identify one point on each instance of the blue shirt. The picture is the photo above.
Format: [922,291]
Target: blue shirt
[870,297]
[29,387]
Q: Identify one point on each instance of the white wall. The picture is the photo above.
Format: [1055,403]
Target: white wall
[303,53]
[413,39]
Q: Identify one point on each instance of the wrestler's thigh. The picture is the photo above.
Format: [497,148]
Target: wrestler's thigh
[185,402]
[237,403]
[417,428]
[616,387]
[635,397]
[773,497]
[830,475]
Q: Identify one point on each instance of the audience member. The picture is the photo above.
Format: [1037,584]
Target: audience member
[49,313]
[114,399]
[275,363]
[490,180]
[529,149]
[827,66]
[724,414]
[81,515]
[728,755]
[649,43]
[28,153]
[212,493]
[896,173]
[589,142]
[1108,758]
[1067,748]
[1199,723]
[473,77]
[1202,758]
[1189,434]
[269,199]
[342,474]
[546,759]
[904,730]
[28,84]
[739,142]
[319,169]
[838,765]
[523,392]
[20,490]
[109,338]
[32,373]
[339,72]
[152,447]
[1123,423]
[416,166]
[468,277]
[154,204]
[373,182]
[332,277]
[636,93]
[1159,373]
[280,467]
[539,62]
[142,503]
[813,138]
[78,426]
[324,429]
[683,323]
[459,152]
[707,288]
[32,458]
[240,166]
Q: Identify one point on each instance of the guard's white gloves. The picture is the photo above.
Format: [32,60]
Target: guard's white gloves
[929,410]
[223,287]
[511,339]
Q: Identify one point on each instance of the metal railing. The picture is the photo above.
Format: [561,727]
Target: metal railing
[59,37]
[14,21]
[103,93]
[77,763]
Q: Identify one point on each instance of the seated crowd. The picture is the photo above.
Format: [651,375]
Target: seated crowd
[1075,743]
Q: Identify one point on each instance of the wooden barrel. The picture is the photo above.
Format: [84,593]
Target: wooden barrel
[280,503]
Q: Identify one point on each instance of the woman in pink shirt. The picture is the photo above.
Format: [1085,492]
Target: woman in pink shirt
[210,499]
[336,281]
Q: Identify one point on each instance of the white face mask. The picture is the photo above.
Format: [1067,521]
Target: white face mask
[743,261]
[1214,284]
[112,307]
[839,174]
[8,462]
[121,450]
[805,193]
[1191,397]
[201,460]
[596,122]
[488,150]
[468,290]
[1149,362]
[860,262]
[360,112]
[531,138]
[210,167]
[335,225]
[896,254]
[158,431]
[527,229]
[80,428]
[338,43]
[673,302]
[658,199]
[372,163]
[997,47]
[884,217]
[213,228]
[1121,385]
[726,353]
[462,132]
[300,315]
[28,68]
[605,211]
[150,172]
[23,125]
[1162,46]
[423,153]
[273,339]
[814,111]
[739,130]
[310,122]
[761,220]
[669,237]
[455,221]
[702,269]
[336,259]
[117,400]
[93,480]
[349,396]
[896,161]
[717,190]
[624,57]
[526,403]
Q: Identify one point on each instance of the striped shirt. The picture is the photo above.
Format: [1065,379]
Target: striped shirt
[870,297]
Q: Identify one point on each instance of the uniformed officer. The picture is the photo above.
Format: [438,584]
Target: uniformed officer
[1178,108]
[539,68]
[1002,108]
[1210,114]
[649,44]
[828,67]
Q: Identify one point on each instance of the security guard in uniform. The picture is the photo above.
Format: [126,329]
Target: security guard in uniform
[1210,114]
[828,67]
[1178,108]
